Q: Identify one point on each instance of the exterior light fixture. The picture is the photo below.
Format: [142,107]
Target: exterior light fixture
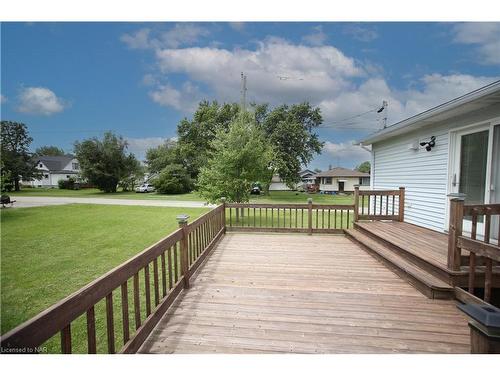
[429,145]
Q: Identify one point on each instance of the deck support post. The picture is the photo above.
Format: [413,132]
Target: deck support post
[223,201]
[356,203]
[401,204]
[483,340]
[183,221]
[484,327]
[455,231]
[309,216]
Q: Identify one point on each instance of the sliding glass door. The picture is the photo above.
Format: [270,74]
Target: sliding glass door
[476,169]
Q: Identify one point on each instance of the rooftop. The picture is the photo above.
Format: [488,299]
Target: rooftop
[342,172]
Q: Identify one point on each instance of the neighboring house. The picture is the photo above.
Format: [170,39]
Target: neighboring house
[342,180]
[465,157]
[307,177]
[55,168]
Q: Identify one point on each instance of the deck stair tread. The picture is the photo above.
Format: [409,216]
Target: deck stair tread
[427,245]
[415,273]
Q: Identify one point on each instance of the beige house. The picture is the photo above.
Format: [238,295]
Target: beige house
[342,180]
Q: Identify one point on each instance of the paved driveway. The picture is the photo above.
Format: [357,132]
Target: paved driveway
[51,201]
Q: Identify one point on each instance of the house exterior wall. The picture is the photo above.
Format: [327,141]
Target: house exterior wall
[349,184]
[425,175]
[278,186]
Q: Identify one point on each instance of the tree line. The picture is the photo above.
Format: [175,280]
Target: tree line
[221,151]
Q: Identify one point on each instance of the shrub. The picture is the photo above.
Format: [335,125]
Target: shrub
[67,184]
[173,179]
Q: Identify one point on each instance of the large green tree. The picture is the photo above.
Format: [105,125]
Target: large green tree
[49,151]
[364,167]
[196,135]
[158,158]
[238,158]
[291,131]
[17,161]
[105,162]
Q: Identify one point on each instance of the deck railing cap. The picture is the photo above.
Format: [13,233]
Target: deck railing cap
[183,218]
[457,196]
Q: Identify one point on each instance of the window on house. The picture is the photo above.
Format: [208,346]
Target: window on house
[40,166]
[76,166]
[67,176]
[328,180]
[364,181]
[46,176]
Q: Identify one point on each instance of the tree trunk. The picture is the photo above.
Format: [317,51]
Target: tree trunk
[16,184]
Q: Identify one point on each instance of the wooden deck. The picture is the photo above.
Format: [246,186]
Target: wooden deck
[282,293]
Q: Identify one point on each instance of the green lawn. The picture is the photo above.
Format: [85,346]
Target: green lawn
[49,252]
[273,197]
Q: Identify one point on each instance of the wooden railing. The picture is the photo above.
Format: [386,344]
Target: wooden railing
[299,218]
[379,204]
[477,244]
[172,260]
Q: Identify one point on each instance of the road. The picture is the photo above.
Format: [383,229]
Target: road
[51,201]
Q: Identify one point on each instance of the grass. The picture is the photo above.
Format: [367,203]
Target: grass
[50,252]
[273,197]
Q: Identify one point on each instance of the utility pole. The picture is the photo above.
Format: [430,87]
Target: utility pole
[243,92]
[384,119]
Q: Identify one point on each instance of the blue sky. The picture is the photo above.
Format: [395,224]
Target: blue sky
[70,81]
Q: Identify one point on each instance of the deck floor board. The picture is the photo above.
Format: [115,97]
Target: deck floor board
[282,293]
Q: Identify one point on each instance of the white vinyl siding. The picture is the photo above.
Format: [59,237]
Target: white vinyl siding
[423,173]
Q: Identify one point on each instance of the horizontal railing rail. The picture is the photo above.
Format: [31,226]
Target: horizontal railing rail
[379,204]
[294,218]
[172,260]
[482,253]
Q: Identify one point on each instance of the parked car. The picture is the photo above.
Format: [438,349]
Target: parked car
[255,190]
[145,188]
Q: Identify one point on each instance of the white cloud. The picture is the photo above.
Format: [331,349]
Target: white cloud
[180,34]
[39,101]
[3,99]
[317,37]
[346,152]
[139,146]
[184,100]
[363,34]
[137,40]
[316,72]
[486,35]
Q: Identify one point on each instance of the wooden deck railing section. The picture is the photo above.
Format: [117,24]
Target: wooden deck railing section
[477,244]
[295,218]
[172,260]
[379,204]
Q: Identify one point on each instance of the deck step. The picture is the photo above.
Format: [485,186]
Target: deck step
[430,285]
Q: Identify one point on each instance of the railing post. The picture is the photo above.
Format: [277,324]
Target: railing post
[310,216]
[401,204]
[356,203]
[455,231]
[223,201]
[183,222]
